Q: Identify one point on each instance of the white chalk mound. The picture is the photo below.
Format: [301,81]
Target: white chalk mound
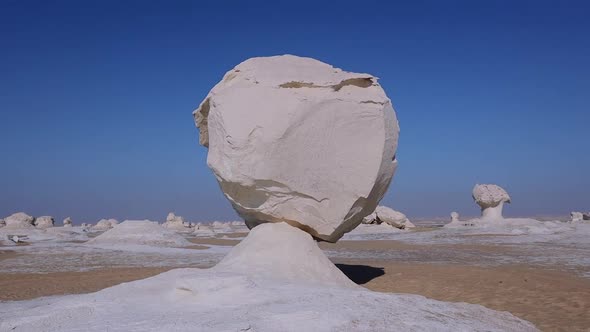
[19,220]
[67,222]
[275,280]
[280,251]
[454,216]
[104,224]
[44,222]
[139,232]
[491,199]
[296,140]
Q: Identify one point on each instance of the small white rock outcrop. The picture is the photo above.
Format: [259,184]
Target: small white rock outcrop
[454,216]
[388,216]
[139,232]
[491,199]
[177,223]
[586,216]
[104,224]
[2,223]
[576,216]
[19,220]
[67,222]
[295,140]
[393,218]
[44,222]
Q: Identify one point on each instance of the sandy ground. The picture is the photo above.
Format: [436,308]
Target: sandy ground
[552,299]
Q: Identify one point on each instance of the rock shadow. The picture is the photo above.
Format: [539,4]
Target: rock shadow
[361,274]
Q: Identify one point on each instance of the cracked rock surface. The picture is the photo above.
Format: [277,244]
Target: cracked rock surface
[296,140]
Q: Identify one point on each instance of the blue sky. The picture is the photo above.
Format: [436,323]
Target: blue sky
[96,98]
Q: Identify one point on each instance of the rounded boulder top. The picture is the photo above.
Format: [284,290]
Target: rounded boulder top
[489,195]
[295,140]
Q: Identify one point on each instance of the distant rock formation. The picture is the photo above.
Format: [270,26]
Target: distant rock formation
[67,222]
[389,216]
[19,220]
[104,224]
[491,199]
[296,140]
[44,222]
[454,216]
[576,216]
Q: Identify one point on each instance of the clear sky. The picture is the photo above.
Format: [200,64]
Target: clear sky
[96,98]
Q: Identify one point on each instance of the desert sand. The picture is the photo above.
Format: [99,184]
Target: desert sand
[549,296]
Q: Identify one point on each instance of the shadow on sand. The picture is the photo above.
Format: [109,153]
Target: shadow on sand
[361,274]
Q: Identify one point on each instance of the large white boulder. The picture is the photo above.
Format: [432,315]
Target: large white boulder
[296,140]
[19,220]
[392,217]
[491,199]
[44,222]
[67,222]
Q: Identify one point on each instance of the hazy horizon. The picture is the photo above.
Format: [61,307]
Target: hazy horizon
[96,100]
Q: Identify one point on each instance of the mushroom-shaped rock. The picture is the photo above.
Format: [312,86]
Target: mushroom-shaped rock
[67,222]
[491,199]
[392,217]
[576,216]
[44,222]
[296,140]
[454,216]
[19,220]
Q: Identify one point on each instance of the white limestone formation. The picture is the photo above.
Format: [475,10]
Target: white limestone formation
[454,216]
[392,217]
[139,232]
[586,216]
[370,219]
[19,220]
[104,224]
[2,223]
[576,216]
[44,222]
[177,223]
[491,199]
[295,140]
[67,222]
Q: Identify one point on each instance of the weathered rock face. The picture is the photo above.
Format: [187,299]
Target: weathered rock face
[491,199]
[19,219]
[2,223]
[586,216]
[44,222]
[296,140]
[67,222]
[454,216]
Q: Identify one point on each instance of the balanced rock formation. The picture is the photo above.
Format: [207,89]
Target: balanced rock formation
[19,220]
[44,222]
[491,199]
[67,222]
[454,216]
[296,140]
